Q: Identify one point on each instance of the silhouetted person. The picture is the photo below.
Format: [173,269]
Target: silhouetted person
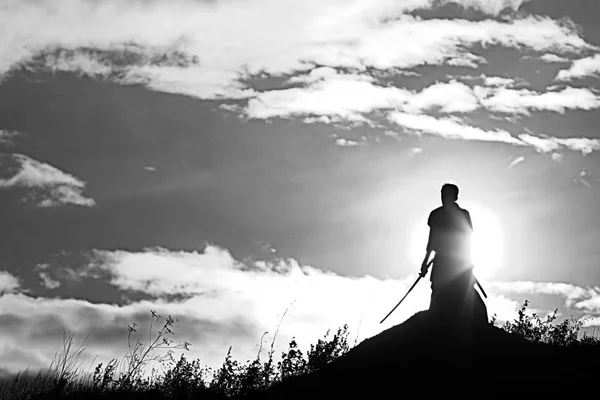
[453,294]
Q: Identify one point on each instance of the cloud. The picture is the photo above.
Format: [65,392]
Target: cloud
[498,81]
[521,101]
[547,144]
[330,94]
[553,58]
[571,293]
[227,303]
[343,142]
[348,96]
[48,282]
[591,304]
[516,161]
[416,151]
[450,97]
[51,186]
[590,322]
[450,128]
[325,92]
[203,49]
[454,128]
[8,283]
[493,7]
[6,136]
[557,157]
[584,67]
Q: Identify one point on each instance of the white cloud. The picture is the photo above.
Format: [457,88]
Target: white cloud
[230,40]
[8,283]
[589,321]
[450,128]
[449,97]
[343,142]
[57,187]
[228,303]
[416,151]
[553,58]
[47,281]
[349,96]
[521,101]
[584,67]
[454,128]
[592,304]
[571,293]
[498,81]
[547,144]
[493,7]
[557,157]
[516,161]
[6,136]
[346,96]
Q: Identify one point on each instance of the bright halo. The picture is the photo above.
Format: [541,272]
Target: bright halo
[487,250]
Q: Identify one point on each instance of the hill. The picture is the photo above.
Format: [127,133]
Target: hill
[425,355]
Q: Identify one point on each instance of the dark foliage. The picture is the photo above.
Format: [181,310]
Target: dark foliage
[185,379]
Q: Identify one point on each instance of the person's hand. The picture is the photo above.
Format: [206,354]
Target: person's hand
[424,268]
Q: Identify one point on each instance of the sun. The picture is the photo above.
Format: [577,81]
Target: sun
[487,250]
[487,245]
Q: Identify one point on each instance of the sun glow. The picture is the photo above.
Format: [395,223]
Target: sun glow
[487,250]
[487,245]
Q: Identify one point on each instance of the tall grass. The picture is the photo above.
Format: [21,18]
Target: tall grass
[187,379]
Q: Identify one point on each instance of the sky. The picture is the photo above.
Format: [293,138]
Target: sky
[249,165]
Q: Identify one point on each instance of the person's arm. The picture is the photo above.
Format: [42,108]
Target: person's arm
[425,263]
[428,250]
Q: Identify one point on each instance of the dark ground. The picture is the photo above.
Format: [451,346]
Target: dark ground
[423,357]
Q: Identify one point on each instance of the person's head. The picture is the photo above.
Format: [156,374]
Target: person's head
[449,193]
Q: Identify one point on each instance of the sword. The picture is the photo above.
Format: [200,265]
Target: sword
[409,290]
[480,287]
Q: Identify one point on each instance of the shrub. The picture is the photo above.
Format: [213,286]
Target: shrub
[538,330]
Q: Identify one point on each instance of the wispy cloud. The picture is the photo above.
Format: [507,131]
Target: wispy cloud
[8,283]
[547,144]
[6,136]
[516,161]
[416,151]
[325,92]
[50,186]
[228,302]
[333,94]
[343,142]
[47,281]
[450,128]
[589,321]
[521,101]
[584,67]
[447,97]
[591,304]
[498,81]
[455,128]
[202,49]
[553,58]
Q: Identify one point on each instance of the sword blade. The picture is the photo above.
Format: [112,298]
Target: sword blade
[409,290]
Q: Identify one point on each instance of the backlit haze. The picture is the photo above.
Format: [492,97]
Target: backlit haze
[225,161]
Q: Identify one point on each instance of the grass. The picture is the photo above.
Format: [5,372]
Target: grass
[186,379]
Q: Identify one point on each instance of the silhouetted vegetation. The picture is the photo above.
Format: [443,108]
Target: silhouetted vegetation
[187,379]
[545,330]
